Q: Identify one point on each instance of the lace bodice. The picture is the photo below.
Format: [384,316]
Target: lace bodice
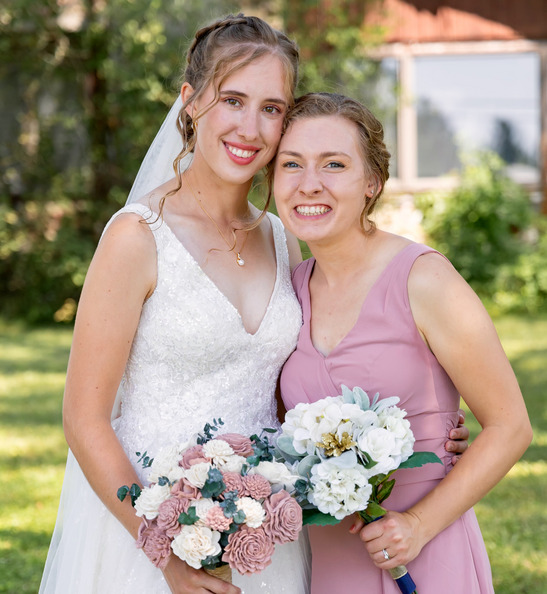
[192,360]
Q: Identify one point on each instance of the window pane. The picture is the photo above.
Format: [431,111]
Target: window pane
[478,101]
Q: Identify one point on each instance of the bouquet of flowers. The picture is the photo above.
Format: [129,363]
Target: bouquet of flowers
[220,503]
[345,449]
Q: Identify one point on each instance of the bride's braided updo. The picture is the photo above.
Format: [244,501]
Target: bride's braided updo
[217,51]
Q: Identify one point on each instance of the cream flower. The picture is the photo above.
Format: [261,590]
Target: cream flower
[150,499]
[278,474]
[197,474]
[166,463]
[253,510]
[233,464]
[202,509]
[218,451]
[195,543]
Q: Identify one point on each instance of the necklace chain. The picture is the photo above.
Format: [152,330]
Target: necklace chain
[232,247]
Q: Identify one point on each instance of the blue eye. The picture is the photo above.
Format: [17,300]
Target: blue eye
[289,165]
[335,165]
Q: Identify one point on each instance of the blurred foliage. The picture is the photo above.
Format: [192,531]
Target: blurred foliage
[488,230]
[84,88]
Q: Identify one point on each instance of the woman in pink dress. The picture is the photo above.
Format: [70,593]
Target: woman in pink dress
[393,317]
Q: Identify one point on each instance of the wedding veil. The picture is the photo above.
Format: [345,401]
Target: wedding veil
[157,165]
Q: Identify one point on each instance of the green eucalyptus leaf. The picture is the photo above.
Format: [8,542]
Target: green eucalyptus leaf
[188,518]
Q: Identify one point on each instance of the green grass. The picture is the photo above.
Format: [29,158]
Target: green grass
[513,516]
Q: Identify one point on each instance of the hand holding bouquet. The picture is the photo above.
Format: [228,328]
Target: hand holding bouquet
[345,449]
[217,503]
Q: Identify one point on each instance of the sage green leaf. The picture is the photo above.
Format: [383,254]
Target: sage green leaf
[420,459]
[375,510]
[312,516]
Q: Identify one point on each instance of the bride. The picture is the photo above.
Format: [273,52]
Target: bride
[188,307]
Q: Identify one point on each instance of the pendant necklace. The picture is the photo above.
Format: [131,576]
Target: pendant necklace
[232,247]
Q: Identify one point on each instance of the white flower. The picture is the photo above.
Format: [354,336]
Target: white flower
[254,512]
[166,463]
[195,543]
[202,508]
[382,446]
[339,491]
[393,420]
[218,451]
[308,422]
[279,476]
[198,474]
[150,499]
[233,464]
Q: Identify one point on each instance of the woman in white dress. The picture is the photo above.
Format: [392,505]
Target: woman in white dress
[188,307]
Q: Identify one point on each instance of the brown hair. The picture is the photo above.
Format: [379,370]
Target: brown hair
[217,51]
[371,137]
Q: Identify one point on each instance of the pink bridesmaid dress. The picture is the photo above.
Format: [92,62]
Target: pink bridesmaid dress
[384,353]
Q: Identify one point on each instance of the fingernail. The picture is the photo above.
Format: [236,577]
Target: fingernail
[352,528]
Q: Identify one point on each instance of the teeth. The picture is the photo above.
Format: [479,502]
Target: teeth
[239,152]
[311,211]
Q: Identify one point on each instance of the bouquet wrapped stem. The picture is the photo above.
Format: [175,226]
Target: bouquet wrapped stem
[222,572]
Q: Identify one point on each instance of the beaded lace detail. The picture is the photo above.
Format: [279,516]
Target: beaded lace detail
[192,359]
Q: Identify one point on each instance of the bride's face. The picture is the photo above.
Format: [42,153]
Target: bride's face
[239,135]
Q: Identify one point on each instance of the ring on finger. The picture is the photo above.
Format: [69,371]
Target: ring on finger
[386,555]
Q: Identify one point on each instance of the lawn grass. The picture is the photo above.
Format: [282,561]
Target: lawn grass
[513,516]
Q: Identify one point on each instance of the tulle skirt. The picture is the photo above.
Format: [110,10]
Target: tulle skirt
[92,553]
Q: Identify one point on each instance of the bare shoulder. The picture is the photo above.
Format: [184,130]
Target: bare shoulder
[128,231]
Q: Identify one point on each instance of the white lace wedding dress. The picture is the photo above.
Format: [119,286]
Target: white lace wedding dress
[191,361]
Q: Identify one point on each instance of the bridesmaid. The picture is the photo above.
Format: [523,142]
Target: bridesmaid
[393,317]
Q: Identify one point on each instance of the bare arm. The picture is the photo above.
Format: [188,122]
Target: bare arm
[463,338]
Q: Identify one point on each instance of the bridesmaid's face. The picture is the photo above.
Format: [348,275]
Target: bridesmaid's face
[319,179]
[239,135]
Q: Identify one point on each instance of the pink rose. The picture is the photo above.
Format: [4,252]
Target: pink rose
[241,445]
[216,520]
[249,550]
[191,456]
[168,515]
[283,517]
[155,544]
[186,492]
[233,482]
[256,486]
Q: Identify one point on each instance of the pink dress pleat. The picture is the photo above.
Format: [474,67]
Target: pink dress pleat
[385,353]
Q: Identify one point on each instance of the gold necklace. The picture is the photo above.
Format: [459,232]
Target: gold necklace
[239,260]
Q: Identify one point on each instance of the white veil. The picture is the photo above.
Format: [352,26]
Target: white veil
[157,165]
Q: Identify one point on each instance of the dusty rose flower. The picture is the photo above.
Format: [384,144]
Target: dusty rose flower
[216,520]
[186,492]
[233,482]
[256,486]
[240,444]
[154,542]
[249,550]
[169,513]
[191,456]
[283,517]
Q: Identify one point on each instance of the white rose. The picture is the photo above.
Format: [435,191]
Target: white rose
[254,512]
[150,499]
[339,491]
[165,463]
[195,543]
[218,451]
[233,464]
[198,474]
[378,443]
[202,508]
[279,476]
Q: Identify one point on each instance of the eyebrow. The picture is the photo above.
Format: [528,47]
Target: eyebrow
[324,155]
[245,96]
